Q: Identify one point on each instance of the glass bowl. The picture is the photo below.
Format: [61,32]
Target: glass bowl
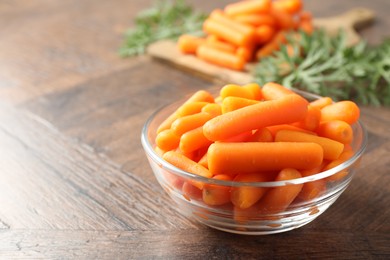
[253,220]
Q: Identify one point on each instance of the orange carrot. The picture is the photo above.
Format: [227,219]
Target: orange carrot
[246,52]
[193,140]
[312,190]
[337,130]
[255,89]
[346,111]
[215,43]
[347,154]
[312,119]
[284,20]
[276,128]
[261,135]
[279,198]
[245,196]
[223,31]
[187,123]
[248,157]
[288,6]
[332,149]
[216,195]
[248,7]
[189,44]
[272,45]
[219,16]
[243,137]
[203,161]
[256,19]
[159,151]
[272,90]
[213,109]
[173,181]
[191,192]
[200,95]
[284,110]
[185,164]
[167,140]
[321,102]
[191,108]
[232,90]
[232,103]
[264,34]
[220,58]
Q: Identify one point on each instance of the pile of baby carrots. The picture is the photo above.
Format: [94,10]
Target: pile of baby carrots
[245,31]
[255,134]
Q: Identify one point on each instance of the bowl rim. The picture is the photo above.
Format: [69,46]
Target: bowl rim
[177,171]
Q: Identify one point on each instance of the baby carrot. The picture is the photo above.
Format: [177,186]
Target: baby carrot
[279,198]
[255,89]
[337,130]
[243,137]
[220,45]
[321,102]
[284,20]
[219,16]
[232,103]
[213,109]
[249,157]
[261,135]
[232,90]
[284,110]
[332,149]
[173,181]
[187,123]
[272,90]
[189,44]
[191,108]
[203,161]
[167,140]
[272,45]
[193,140]
[222,31]
[264,34]
[220,58]
[345,110]
[256,19]
[216,195]
[311,120]
[312,190]
[248,7]
[246,52]
[288,6]
[200,95]
[191,192]
[245,196]
[276,128]
[185,164]
[341,174]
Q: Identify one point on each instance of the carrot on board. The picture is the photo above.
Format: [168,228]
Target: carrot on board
[246,196]
[288,6]
[167,140]
[264,34]
[248,7]
[345,110]
[248,157]
[275,128]
[220,45]
[279,198]
[246,52]
[193,140]
[312,119]
[228,34]
[321,102]
[200,95]
[272,46]
[220,58]
[332,149]
[233,90]
[213,109]
[288,109]
[284,20]
[189,44]
[216,195]
[256,19]
[337,130]
[232,103]
[273,90]
[186,123]
[191,108]
[186,164]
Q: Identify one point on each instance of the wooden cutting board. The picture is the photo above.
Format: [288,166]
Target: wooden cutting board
[167,51]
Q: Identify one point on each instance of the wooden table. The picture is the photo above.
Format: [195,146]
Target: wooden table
[74,180]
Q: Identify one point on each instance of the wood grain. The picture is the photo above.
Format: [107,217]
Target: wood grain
[74,180]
